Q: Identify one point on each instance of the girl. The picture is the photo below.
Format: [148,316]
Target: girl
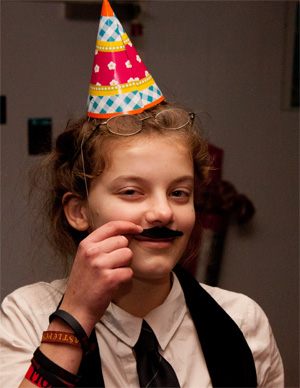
[126,202]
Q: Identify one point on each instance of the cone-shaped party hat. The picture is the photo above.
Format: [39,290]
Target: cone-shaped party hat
[120,81]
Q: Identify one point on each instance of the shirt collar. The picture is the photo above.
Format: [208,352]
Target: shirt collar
[164,319]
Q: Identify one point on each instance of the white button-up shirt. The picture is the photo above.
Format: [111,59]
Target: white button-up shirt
[25,315]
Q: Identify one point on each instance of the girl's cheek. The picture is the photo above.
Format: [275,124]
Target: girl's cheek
[124,214]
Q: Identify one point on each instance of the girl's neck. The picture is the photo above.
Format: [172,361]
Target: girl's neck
[140,296]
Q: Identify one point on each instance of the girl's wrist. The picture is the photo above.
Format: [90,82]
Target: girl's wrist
[65,356]
[84,319]
[72,322]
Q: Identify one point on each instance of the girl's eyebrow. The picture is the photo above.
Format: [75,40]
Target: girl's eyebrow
[183,179]
[133,178]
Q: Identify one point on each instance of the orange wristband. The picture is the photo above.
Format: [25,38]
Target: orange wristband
[60,337]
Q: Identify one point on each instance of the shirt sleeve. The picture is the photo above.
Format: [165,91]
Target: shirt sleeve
[261,341]
[24,315]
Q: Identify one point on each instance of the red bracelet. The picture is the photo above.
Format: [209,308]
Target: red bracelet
[60,337]
[42,379]
[35,377]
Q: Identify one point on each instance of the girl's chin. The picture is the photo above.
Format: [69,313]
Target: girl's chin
[153,271]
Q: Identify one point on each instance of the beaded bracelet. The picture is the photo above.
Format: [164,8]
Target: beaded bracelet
[75,326]
[57,370]
[60,337]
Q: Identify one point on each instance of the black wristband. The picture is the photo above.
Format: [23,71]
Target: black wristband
[75,326]
[50,366]
[41,374]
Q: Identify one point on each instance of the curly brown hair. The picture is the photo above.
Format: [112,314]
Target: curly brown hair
[64,171]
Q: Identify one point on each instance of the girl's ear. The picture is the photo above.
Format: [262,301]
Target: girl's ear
[75,212]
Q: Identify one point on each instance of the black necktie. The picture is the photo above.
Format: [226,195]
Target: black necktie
[152,368]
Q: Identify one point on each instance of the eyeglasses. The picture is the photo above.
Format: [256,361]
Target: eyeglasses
[129,125]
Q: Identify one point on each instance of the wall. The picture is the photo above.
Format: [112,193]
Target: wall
[224,57]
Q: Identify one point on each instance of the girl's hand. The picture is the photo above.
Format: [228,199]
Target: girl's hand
[100,266]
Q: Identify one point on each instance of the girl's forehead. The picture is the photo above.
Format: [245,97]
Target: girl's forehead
[145,143]
[149,139]
[153,153]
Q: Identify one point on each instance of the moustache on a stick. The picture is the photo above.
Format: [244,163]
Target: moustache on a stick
[160,233]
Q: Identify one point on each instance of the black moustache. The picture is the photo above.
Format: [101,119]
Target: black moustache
[158,232]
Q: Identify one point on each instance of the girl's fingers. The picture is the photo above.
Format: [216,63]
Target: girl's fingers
[100,261]
[110,253]
[119,258]
[90,251]
[114,228]
[112,243]
[123,274]
[105,251]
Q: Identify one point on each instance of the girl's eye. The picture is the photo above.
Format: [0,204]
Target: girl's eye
[129,192]
[180,194]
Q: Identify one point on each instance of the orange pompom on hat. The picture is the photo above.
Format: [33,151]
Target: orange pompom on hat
[120,81]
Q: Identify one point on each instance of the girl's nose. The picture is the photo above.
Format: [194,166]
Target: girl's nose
[159,212]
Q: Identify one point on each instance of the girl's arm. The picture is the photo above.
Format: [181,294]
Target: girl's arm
[100,266]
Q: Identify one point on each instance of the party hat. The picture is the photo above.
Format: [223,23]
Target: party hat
[120,81]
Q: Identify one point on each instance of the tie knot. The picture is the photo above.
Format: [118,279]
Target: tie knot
[147,341]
